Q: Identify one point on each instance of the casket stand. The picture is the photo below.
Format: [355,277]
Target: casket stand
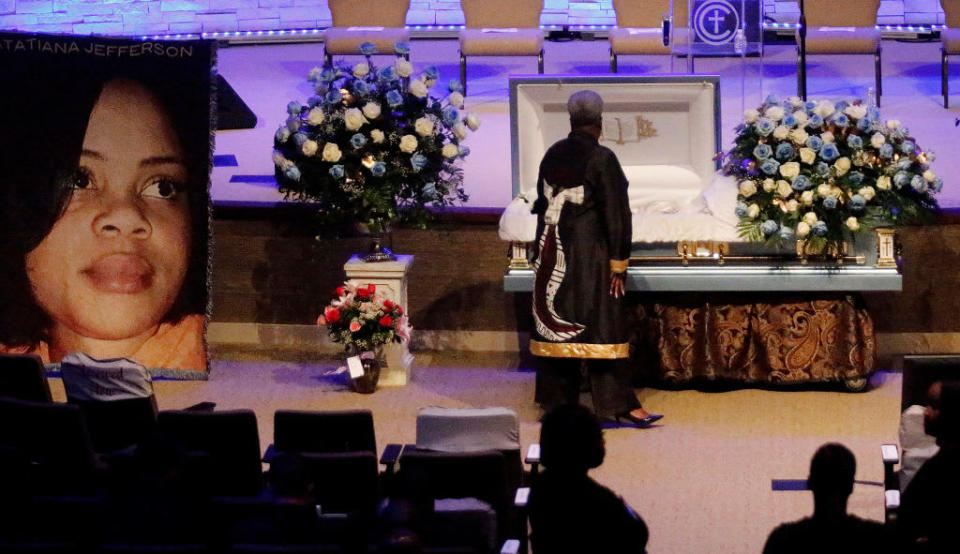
[712,307]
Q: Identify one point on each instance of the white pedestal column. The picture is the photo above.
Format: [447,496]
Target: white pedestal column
[390,278]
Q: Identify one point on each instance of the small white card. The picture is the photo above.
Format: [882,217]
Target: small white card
[500,30]
[364,28]
[842,29]
[354,367]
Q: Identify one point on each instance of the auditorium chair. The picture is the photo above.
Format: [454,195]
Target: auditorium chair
[380,22]
[639,29]
[22,376]
[950,39]
[500,28]
[840,28]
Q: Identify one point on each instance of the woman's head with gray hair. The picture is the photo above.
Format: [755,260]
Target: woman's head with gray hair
[586,108]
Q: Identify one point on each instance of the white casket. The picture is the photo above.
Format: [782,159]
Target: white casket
[665,130]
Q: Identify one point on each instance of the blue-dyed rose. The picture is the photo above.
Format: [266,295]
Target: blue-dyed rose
[361,87]
[770,166]
[314,101]
[904,163]
[918,184]
[368,48]
[299,139]
[886,151]
[857,202]
[429,191]
[328,75]
[786,233]
[815,121]
[830,202]
[855,177]
[762,151]
[358,140]
[418,161]
[293,108]
[801,183]
[854,141]
[282,135]
[908,147]
[401,48]
[293,123]
[873,113]
[337,171]
[937,184]
[772,99]
[292,173]
[378,169]
[463,151]
[790,120]
[455,85]
[819,228]
[814,143]
[863,124]
[829,152]
[785,151]
[764,126]
[394,98]
[822,169]
[333,97]
[431,72]
[387,74]
[840,120]
[841,105]
[450,115]
[769,227]
[740,210]
[901,179]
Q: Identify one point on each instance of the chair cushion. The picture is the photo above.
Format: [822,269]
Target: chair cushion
[842,40]
[951,40]
[467,429]
[343,41]
[638,41]
[501,42]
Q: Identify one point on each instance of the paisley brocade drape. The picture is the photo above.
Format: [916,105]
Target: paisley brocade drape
[756,339]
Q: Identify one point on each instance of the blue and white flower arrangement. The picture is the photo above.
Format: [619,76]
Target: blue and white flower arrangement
[373,146]
[823,172]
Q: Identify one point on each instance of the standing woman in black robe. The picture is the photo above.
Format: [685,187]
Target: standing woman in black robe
[584,230]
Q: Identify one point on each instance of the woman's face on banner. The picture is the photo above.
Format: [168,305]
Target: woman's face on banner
[113,264]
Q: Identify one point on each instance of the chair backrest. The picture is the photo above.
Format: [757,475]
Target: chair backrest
[501,13]
[951,12]
[227,444]
[456,475]
[22,376]
[640,13]
[323,431]
[850,13]
[364,13]
[344,482]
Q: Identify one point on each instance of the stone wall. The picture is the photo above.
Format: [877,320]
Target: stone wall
[131,17]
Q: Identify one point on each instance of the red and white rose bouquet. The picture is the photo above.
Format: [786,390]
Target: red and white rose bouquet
[363,319]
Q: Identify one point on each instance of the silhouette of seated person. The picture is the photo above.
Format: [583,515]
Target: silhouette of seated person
[930,508]
[831,528]
[569,511]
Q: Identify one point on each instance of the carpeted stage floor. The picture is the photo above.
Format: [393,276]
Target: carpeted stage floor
[701,480]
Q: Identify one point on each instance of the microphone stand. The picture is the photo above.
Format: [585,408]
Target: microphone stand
[802,72]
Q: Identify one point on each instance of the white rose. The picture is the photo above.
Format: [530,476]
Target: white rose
[404,68]
[929,176]
[807,156]
[842,165]
[827,136]
[353,119]
[781,132]
[769,185]
[856,112]
[361,69]
[823,190]
[460,131]
[853,224]
[792,205]
[790,170]
[371,110]
[309,147]
[807,197]
[753,210]
[883,182]
[784,189]
[877,140]
[473,122]
[455,99]
[423,126]
[418,89]
[836,191]
[315,116]
[795,101]
[331,152]
[867,193]
[748,188]
[751,115]
[824,109]
[377,136]
[803,229]
[408,144]
[283,134]
[774,112]
[801,117]
[799,136]
[450,150]
[810,218]
[893,124]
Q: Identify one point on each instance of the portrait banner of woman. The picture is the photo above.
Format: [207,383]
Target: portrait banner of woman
[105,149]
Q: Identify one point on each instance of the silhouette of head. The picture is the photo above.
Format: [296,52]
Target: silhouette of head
[571,439]
[948,426]
[831,471]
[586,108]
